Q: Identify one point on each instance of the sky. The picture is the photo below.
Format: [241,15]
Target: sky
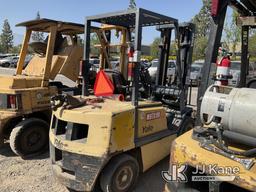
[76,10]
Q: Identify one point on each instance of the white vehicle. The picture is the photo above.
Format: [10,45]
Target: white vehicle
[171,71]
[235,71]
[153,69]
[8,61]
[95,64]
[196,73]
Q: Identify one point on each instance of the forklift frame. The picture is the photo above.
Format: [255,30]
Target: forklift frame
[132,19]
[137,19]
[247,10]
[186,149]
[51,27]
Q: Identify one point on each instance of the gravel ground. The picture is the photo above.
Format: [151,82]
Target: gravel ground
[34,175]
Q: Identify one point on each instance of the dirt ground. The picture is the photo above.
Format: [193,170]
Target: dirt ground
[34,175]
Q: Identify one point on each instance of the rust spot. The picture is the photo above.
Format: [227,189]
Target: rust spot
[194,157]
[243,183]
[183,148]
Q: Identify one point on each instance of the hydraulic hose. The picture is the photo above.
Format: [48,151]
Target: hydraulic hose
[239,138]
[220,145]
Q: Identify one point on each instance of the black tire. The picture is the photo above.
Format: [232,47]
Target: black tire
[187,125]
[6,64]
[124,166]
[30,137]
[252,84]
[181,187]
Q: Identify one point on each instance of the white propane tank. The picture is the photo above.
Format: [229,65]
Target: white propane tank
[235,106]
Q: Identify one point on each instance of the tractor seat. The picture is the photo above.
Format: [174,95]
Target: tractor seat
[38,47]
[118,81]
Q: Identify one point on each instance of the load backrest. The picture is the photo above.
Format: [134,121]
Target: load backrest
[70,68]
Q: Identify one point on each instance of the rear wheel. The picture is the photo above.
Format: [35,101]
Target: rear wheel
[30,137]
[120,175]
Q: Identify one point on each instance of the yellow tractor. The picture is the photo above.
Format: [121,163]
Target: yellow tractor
[25,108]
[219,153]
[103,140]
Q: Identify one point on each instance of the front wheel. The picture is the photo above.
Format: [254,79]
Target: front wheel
[29,137]
[120,175]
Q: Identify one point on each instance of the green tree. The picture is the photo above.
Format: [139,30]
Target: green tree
[173,49]
[202,20]
[154,47]
[94,41]
[132,4]
[1,48]
[252,46]
[233,34]
[6,37]
[16,49]
[36,35]
[200,48]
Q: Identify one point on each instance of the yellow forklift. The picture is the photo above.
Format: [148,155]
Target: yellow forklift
[103,140]
[25,109]
[219,153]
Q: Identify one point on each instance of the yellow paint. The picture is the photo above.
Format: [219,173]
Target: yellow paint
[78,148]
[151,120]
[32,83]
[156,151]
[12,83]
[23,52]
[186,150]
[99,134]
[111,130]
[123,131]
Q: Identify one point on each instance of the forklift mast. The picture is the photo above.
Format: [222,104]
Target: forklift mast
[184,42]
[246,9]
[186,36]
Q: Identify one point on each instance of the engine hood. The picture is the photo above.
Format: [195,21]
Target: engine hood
[105,109]
[19,82]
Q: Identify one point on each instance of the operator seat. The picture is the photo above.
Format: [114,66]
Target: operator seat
[41,47]
[118,81]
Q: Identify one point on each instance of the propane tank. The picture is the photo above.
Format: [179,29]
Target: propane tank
[235,108]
